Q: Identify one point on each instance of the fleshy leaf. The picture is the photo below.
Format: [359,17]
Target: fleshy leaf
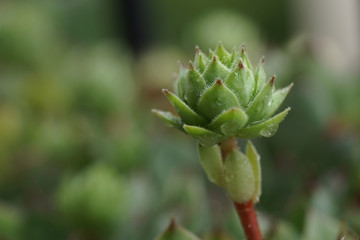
[245,57]
[205,137]
[185,112]
[254,158]
[260,77]
[176,232]
[230,121]
[215,70]
[223,55]
[200,60]
[258,108]
[169,119]
[211,161]
[180,83]
[239,177]
[277,99]
[266,128]
[215,100]
[194,86]
[241,81]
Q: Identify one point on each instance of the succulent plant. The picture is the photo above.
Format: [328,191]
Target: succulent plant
[221,96]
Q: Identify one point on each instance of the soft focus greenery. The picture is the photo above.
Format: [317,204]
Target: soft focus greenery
[82,157]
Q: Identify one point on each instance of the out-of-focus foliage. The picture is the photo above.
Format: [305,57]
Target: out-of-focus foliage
[81,156]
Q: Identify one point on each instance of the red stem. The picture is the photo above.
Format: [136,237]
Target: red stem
[249,221]
[245,211]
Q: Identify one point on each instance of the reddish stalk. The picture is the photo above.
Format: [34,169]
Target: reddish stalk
[245,211]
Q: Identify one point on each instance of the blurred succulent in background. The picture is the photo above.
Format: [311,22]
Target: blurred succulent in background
[223,96]
[93,200]
[27,34]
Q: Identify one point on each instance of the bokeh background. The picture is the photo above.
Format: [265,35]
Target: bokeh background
[81,156]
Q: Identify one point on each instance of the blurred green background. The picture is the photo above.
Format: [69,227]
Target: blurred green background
[81,156]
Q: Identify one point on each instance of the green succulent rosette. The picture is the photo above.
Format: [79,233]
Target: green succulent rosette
[221,96]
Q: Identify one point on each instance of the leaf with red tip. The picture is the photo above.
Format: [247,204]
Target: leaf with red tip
[266,128]
[185,112]
[200,61]
[258,108]
[277,99]
[229,122]
[245,57]
[214,71]
[223,55]
[205,137]
[215,100]
[180,83]
[241,81]
[195,84]
[260,77]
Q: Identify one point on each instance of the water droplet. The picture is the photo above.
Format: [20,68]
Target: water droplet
[230,177]
[269,130]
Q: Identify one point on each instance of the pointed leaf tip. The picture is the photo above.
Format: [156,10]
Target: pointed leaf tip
[168,118]
[266,128]
[277,99]
[182,65]
[215,100]
[185,112]
[262,60]
[272,80]
[197,49]
[176,231]
[241,64]
[191,65]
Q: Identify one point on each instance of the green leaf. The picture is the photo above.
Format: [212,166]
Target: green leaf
[277,99]
[244,56]
[254,158]
[258,108]
[229,122]
[169,119]
[185,112]
[239,177]
[180,83]
[215,100]
[241,81]
[260,77]
[205,137]
[266,128]
[176,232]
[194,86]
[211,161]
[200,60]
[214,71]
[223,55]
[321,226]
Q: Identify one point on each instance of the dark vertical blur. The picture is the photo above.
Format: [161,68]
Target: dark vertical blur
[134,17]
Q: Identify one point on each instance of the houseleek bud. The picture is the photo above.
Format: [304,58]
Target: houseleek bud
[221,96]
